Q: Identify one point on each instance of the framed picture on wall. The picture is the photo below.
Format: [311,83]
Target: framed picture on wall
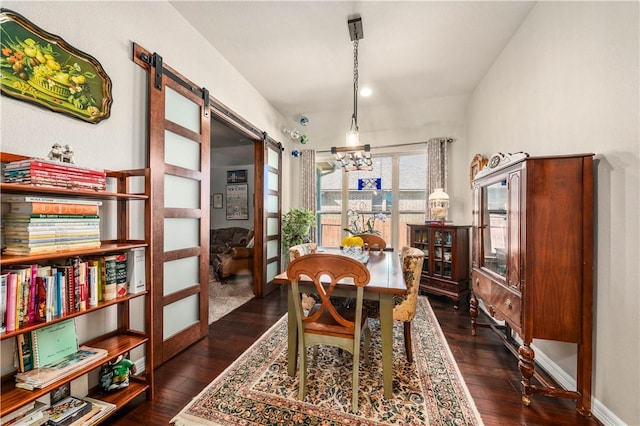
[238,201]
[41,68]
[217,200]
[237,176]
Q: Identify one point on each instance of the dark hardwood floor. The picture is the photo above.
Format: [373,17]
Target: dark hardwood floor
[489,369]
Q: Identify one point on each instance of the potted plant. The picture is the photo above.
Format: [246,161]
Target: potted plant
[296,228]
[359,225]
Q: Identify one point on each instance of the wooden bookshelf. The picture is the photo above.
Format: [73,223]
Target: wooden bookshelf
[122,338]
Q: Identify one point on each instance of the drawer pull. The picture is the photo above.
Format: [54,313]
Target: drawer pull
[508,304]
[477,282]
[492,311]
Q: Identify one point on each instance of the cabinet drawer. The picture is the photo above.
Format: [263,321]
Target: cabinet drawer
[482,287]
[501,303]
[508,303]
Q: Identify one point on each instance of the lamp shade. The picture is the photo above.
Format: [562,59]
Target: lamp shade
[353,138]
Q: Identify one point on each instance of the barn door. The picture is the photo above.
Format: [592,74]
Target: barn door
[179,129]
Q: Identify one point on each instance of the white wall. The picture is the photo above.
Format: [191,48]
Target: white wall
[568,83]
[106,30]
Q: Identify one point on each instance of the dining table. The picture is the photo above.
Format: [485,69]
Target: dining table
[386,281]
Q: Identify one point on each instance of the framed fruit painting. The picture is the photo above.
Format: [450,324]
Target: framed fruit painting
[41,68]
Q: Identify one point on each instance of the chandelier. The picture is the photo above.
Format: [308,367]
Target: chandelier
[354,156]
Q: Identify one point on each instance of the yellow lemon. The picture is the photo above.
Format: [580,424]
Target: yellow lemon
[352,241]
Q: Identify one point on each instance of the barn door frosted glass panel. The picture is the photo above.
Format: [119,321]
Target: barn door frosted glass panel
[181,233]
[181,110]
[273,159]
[180,151]
[180,315]
[181,192]
[272,208]
[272,203]
[272,181]
[180,274]
[272,248]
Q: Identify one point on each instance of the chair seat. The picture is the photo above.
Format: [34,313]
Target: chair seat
[326,324]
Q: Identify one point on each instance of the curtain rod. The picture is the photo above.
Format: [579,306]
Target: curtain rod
[450,140]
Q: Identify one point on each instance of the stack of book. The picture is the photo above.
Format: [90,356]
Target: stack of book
[50,173]
[54,354]
[37,225]
[31,414]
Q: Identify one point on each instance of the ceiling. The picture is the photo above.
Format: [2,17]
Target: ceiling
[299,56]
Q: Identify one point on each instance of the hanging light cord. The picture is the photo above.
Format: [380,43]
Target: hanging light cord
[354,117]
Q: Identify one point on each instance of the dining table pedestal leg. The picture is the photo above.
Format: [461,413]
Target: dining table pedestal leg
[386,330]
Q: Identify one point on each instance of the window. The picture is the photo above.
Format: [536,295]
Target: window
[401,198]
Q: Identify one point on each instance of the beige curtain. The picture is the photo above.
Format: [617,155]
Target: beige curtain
[308,182]
[437,158]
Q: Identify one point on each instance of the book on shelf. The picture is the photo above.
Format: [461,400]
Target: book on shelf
[50,298]
[4,277]
[17,413]
[99,410]
[54,342]
[24,349]
[55,208]
[65,274]
[30,414]
[50,249]
[93,283]
[109,290]
[137,271]
[22,286]
[12,300]
[67,411]
[121,274]
[48,218]
[33,295]
[11,198]
[50,373]
[18,164]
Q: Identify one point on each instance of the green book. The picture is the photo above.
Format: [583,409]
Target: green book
[52,343]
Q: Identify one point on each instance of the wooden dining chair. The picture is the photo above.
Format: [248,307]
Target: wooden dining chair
[405,307]
[373,242]
[308,300]
[326,323]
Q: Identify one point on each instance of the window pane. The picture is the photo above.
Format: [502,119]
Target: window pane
[412,192]
[371,208]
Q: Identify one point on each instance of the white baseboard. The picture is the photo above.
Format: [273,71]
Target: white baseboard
[598,410]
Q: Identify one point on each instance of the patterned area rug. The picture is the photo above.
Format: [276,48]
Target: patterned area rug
[227,296]
[256,389]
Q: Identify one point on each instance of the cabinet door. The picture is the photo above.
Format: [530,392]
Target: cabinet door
[514,209]
[442,252]
[493,227]
[476,248]
[420,239]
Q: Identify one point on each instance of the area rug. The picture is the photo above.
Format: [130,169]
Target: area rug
[226,296]
[256,389]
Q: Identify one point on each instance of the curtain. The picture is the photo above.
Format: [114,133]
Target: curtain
[437,164]
[308,183]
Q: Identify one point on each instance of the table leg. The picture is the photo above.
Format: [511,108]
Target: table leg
[386,329]
[292,335]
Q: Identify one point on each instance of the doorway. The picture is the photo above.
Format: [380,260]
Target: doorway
[232,218]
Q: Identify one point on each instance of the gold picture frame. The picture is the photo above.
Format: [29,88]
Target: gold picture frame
[477,164]
[41,68]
